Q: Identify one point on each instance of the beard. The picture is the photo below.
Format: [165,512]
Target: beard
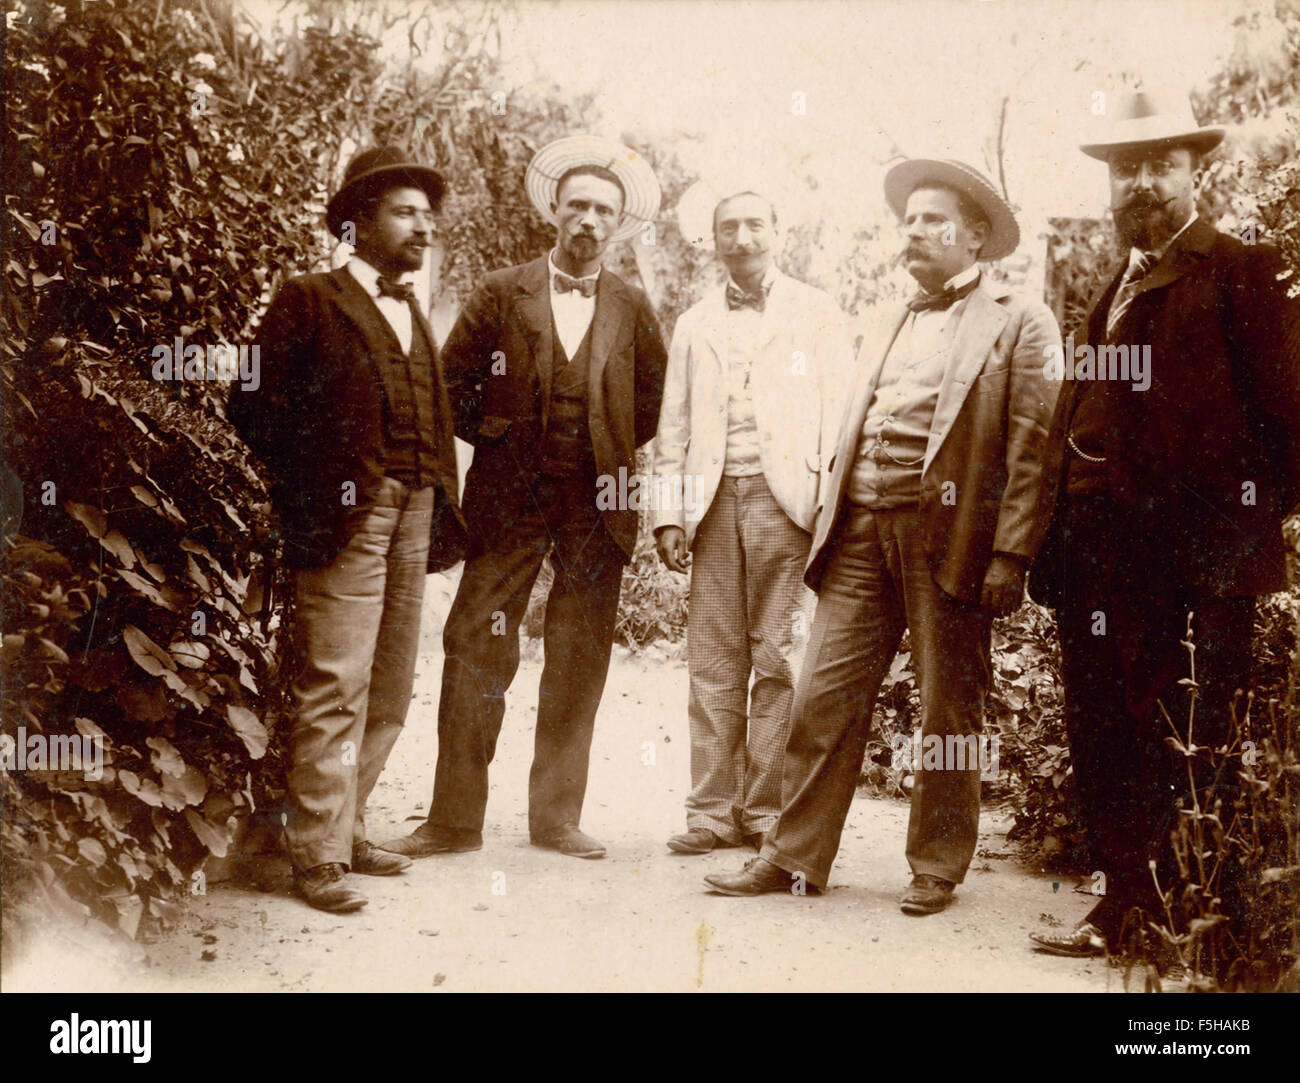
[584,246]
[1147,223]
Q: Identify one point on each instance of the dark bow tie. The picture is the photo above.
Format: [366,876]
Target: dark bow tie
[568,284]
[402,291]
[738,298]
[941,301]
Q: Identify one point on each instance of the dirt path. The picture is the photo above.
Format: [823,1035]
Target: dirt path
[512,917]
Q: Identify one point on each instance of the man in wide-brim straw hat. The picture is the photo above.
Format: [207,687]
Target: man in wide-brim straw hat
[753,394]
[353,421]
[928,524]
[556,371]
[1174,459]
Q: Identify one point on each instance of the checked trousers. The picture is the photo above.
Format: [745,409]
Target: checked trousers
[745,618]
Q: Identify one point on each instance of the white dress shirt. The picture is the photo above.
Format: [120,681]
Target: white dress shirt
[397,313]
[745,339]
[571,311]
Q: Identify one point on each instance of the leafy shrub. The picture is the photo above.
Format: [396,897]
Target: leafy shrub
[165,169]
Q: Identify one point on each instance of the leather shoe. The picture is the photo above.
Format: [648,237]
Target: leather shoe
[926,894]
[370,860]
[567,839]
[326,887]
[1084,940]
[699,840]
[758,877]
[426,840]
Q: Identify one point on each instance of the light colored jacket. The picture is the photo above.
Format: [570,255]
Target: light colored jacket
[984,459]
[797,385]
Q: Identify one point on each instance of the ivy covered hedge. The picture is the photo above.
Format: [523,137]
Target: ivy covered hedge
[165,168]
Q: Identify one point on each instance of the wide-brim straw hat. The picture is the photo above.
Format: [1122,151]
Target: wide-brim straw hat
[904,178]
[374,170]
[640,188]
[1151,118]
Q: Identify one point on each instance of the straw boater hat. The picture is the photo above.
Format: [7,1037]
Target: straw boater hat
[374,170]
[640,188]
[1144,118]
[906,177]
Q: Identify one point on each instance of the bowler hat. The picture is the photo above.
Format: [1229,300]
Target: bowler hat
[376,170]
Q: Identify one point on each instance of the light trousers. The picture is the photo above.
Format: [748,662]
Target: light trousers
[745,618]
[876,584]
[356,633]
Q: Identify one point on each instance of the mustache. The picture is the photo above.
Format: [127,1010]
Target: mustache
[1141,203]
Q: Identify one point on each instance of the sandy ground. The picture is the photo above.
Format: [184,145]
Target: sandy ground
[513,917]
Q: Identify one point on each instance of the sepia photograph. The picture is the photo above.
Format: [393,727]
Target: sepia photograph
[652,496]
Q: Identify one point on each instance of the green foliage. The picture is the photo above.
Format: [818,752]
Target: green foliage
[1232,913]
[165,169]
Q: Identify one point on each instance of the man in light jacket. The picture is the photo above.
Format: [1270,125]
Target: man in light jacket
[738,455]
[929,524]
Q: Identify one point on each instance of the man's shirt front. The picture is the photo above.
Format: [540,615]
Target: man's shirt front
[571,311]
[746,335]
[891,447]
[397,313]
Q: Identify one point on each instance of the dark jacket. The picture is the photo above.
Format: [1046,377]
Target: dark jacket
[317,418]
[1203,465]
[499,368]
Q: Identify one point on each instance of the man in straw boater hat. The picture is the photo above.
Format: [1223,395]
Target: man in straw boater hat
[353,421]
[927,524]
[751,400]
[1168,494]
[556,370]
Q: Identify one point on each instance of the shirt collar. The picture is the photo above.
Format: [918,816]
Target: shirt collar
[553,270]
[1159,253]
[368,276]
[961,278]
[769,277]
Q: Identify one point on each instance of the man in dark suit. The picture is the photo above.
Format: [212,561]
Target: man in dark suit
[927,525]
[556,371]
[1169,484]
[352,419]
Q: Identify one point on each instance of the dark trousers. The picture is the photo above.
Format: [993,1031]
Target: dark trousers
[876,584]
[1121,660]
[481,643]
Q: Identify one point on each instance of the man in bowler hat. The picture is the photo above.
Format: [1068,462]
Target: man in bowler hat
[353,421]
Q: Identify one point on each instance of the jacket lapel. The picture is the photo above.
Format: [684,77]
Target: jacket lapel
[357,305]
[715,327]
[1179,258]
[534,308]
[871,360]
[978,327]
[611,310]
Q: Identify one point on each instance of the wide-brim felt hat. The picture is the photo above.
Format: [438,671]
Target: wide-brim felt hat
[375,170]
[640,188]
[907,176]
[1151,118]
